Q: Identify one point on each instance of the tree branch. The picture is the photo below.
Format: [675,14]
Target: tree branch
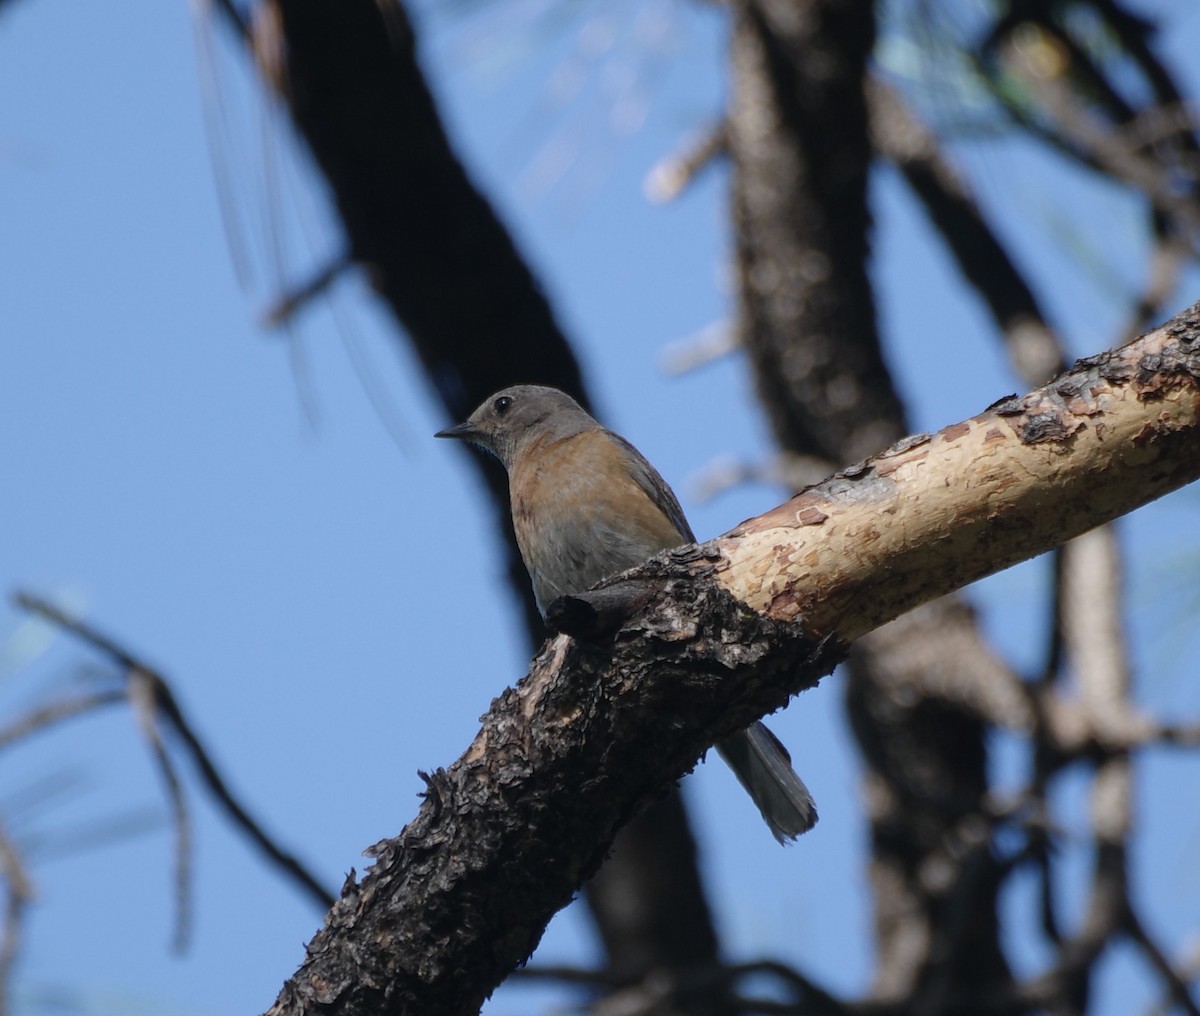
[978,496]
[737,626]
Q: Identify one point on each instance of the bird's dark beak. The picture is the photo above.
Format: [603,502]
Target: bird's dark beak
[460,430]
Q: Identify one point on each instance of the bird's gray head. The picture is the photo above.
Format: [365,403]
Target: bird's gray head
[507,421]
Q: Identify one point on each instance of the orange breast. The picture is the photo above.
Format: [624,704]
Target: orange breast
[580,514]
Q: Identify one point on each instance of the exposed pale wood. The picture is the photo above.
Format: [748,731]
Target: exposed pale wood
[937,512]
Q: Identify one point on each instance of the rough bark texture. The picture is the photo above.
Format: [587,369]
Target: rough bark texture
[798,137]
[507,834]
[598,727]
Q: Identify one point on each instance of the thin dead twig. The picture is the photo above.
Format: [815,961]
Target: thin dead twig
[47,716]
[672,175]
[19,894]
[142,699]
[167,708]
[1177,989]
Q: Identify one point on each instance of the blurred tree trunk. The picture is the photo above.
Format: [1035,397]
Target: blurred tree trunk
[437,254]
[799,140]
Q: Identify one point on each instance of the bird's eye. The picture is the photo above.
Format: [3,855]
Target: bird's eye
[502,405]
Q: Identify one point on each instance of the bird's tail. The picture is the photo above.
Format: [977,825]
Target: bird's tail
[764,768]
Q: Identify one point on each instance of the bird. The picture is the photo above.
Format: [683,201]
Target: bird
[586,504]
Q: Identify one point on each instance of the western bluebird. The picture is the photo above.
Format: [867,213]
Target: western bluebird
[586,504]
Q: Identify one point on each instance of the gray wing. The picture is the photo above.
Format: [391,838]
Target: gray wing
[656,488]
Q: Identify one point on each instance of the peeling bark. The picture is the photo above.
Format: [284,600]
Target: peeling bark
[934,513]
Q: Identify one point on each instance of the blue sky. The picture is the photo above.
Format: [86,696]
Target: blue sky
[304,582]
